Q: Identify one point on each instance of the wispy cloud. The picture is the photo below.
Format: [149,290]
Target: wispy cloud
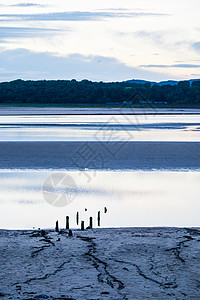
[24,32]
[23,5]
[172,66]
[26,4]
[158,37]
[76,16]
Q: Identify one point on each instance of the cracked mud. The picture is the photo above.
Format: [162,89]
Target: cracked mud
[131,263]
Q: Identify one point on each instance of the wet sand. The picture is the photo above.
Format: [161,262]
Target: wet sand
[100,155]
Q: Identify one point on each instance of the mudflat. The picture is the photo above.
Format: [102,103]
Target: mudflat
[115,263]
[100,155]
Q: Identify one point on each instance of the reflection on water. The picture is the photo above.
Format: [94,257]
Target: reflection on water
[83,127]
[134,198]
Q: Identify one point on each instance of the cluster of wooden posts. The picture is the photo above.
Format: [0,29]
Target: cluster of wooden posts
[82,222]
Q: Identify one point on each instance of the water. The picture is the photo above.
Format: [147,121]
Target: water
[133,198]
[85,128]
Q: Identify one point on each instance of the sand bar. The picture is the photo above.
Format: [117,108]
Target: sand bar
[93,111]
[100,155]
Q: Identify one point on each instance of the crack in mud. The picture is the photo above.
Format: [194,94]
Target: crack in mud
[47,275]
[35,253]
[47,239]
[141,273]
[158,273]
[104,275]
[177,250]
[111,280]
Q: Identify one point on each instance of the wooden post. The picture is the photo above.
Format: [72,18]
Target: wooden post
[98,218]
[67,222]
[77,218]
[57,228]
[70,233]
[91,225]
[82,225]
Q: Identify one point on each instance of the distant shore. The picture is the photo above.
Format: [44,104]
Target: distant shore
[102,155]
[12,111]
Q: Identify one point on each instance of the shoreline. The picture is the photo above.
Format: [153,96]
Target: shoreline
[77,230]
[20,111]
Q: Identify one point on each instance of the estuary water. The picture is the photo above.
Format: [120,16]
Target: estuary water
[86,128]
[30,198]
[37,198]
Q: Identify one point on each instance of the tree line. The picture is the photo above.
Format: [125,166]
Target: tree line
[85,92]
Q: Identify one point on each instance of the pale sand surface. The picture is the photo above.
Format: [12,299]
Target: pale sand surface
[129,263]
[100,155]
[97,111]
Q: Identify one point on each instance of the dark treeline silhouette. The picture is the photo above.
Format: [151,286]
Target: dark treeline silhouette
[72,92]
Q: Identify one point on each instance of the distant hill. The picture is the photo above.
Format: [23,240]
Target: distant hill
[138,81]
[192,80]
[161,83]
[170,82]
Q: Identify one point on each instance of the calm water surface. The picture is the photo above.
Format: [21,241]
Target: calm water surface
[134,198]
[85,128]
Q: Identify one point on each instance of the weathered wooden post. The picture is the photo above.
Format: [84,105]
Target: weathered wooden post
[67,222]
[82,225]
[43,233]
[91,225]
[98,218]
[57,228]
[77,218]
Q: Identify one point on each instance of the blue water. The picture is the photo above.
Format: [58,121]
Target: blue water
[134,198]
[86,128]
[32,198]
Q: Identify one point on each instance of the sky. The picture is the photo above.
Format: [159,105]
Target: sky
[107,40]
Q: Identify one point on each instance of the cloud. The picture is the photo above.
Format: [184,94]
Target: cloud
[23,5]
[26,4]
[24,32]
[26,65]
[155,36]
[172,66]
[196,46]
[165,39]
[75,16]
